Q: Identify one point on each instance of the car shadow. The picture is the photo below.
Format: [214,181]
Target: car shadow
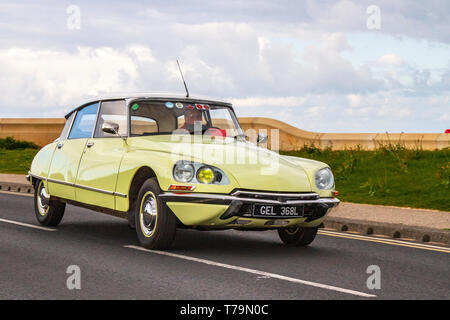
[238,244]
[87,225]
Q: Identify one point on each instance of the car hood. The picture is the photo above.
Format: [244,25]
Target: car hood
[253,168]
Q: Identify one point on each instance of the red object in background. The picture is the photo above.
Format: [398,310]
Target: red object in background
[216,132]
[447,131]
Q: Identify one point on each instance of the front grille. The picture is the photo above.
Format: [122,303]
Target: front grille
[246,210]
[243,202]
[278,196]
[315,213]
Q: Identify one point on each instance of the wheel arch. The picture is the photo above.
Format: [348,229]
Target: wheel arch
[141,175]
[34,182]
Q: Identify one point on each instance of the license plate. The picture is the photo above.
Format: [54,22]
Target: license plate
[268,211]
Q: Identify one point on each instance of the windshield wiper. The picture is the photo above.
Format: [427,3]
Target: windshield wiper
[241,137]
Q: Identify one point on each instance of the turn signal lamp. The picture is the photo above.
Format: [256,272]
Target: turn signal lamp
[175,187]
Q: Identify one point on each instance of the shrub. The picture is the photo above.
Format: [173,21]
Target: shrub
[443,175]
[346,168]
[389,175]
[377,185]
[310,149]
[398,153]
[11,144]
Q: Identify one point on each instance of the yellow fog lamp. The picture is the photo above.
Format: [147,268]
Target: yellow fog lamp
[205,175]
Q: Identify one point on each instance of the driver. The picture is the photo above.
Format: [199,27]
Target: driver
[191,117]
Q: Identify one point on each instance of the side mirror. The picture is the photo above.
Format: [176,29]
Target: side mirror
[262,138]
[110,127]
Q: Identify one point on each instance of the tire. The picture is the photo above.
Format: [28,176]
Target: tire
[131,226]
[47,214]
[155,223]
[130,220]
[297,236]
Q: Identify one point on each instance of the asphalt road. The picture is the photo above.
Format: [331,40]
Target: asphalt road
[203,265]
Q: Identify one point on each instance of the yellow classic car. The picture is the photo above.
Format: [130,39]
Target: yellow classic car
[166,161]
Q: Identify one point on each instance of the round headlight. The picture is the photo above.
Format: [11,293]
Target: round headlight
[205,175]
[183,171]
[324,179]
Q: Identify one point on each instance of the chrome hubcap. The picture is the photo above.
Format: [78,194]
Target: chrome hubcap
[43,200]
[292,231]
[148,215]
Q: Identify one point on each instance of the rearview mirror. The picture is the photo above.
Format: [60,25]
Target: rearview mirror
[262,138]
[110,127]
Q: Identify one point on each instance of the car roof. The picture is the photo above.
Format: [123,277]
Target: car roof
[147,95]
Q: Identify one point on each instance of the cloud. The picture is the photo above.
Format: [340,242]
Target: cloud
[390,59]
[287,59]
[315,111]
[46,78]
[278,102]
[400,18]
[354,100]
[248,66]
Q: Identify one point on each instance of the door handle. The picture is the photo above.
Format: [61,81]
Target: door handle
[60,145]
[90,144]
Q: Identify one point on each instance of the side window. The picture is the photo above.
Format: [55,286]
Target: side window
[141,126]
[66,129]
[115,112]
[84,122]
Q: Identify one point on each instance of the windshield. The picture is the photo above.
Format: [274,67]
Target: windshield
[180,117]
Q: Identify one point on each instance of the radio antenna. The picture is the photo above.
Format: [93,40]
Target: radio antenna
[184,82]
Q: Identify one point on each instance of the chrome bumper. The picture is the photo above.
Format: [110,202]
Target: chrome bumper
[228,199]
[238,199]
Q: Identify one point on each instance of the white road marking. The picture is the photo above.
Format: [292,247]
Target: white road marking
[257,272]
[27,225]
[384,240]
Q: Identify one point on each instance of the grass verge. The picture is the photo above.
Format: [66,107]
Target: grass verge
[16,156]
[16,161]
[390,175]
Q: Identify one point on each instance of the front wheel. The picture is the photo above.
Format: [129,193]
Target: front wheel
[155,223]
[48,212]
[297,236]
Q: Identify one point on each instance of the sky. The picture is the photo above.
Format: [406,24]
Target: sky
[326,66]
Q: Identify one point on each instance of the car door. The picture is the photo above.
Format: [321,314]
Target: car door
[66,158]
[99,166]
